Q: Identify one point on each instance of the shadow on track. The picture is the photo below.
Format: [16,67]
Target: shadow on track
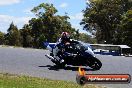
[56,68]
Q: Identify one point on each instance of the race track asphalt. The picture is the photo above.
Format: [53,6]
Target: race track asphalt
[32,62]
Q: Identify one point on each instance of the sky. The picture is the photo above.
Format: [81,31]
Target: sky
[19,11]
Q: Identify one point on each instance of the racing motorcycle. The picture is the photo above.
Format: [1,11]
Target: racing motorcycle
[75,54]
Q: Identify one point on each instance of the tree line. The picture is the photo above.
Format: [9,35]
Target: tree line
[108,21]
[47,26]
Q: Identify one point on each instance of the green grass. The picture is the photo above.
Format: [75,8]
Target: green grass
[15,81]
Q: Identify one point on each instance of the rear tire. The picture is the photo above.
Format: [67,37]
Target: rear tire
[61,65]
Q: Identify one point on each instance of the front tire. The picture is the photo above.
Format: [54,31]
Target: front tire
[95,63]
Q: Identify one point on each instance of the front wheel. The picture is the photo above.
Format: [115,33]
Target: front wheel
[95,63]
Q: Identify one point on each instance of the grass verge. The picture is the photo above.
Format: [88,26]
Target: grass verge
[15,81]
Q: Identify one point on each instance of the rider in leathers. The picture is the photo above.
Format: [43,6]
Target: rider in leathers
[60,45]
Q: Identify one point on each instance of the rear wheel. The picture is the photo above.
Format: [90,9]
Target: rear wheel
[61,65]
[94,63]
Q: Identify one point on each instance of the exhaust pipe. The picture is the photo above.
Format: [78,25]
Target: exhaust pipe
[50,57]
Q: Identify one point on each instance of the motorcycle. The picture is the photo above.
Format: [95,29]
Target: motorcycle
[75,54]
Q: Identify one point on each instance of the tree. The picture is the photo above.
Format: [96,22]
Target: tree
[104,16]
[48,26]
[126,28]
[2,38]
[76,34]
[13,36]
[86,38]
[27,39]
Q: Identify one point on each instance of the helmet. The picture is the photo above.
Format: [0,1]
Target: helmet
[65,36]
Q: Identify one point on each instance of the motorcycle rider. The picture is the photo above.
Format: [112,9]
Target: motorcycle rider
[60,46]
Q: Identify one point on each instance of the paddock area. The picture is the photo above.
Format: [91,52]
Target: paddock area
[108,49]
